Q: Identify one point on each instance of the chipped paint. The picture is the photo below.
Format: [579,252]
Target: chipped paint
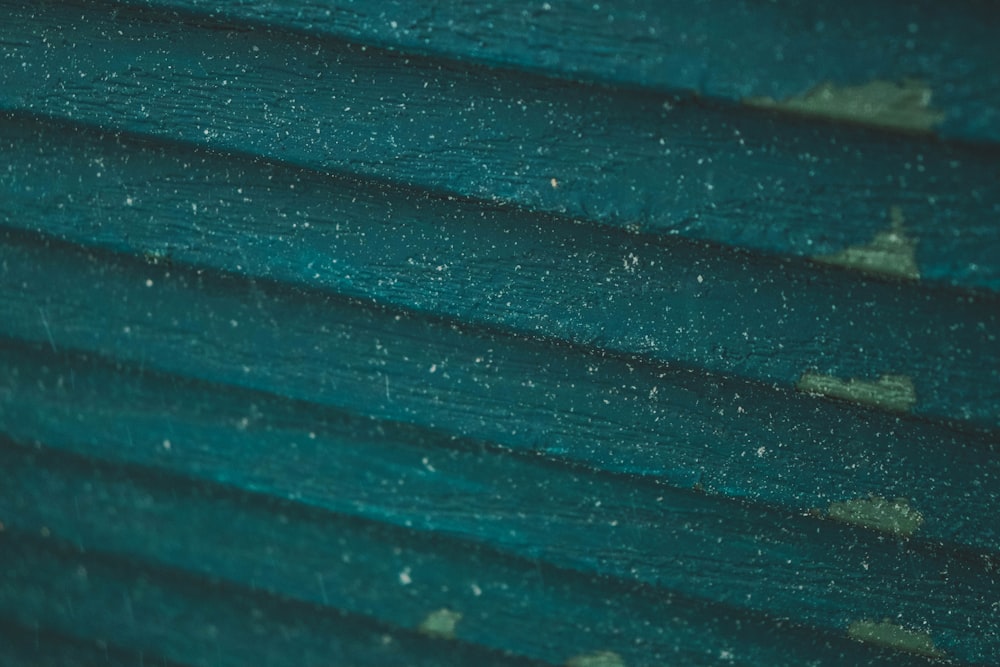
[894,636]
[440,623]
[889,392]
[901,106]
[596,659]
[891,253]
[888,516]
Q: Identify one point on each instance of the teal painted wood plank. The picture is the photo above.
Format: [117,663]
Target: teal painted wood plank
[676,303]
[730,51]
[22,645]
[785,454]
[523,603]
[616,413]
[315,298]
[765,322]
[685,542]
[617,157]
[202,622]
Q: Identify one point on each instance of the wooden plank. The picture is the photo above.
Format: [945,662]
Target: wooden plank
[178,616]
[786,453]
[317,558]
[738,438]
[22,645]
[681,541]
[617,157]
[732,51]
[676,303]
[386,315]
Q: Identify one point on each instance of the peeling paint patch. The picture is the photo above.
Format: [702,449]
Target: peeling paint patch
[889,392]
[440,624]
[890,253]
[894,636]
[888,516]
[596,659]
[901,106]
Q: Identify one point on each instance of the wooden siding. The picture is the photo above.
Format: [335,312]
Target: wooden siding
[613,334]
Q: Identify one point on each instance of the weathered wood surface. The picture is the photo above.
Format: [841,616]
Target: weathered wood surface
[675,303]
[576,518]
[733,51]
[614,156]
[327,562]
[326,341]
[27,645]
[521,394]
[619,413]
[75,590]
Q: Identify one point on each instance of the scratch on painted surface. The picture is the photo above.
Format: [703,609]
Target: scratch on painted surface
[889,392]
[888,516]
[892,252]
[440,623]
[894,636]
[901,106]
[596,659]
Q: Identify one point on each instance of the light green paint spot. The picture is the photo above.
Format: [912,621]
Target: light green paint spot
[596,659]
[894,636]
[890,253]
[889,392]
[889,516]
[901,106]
[440,623]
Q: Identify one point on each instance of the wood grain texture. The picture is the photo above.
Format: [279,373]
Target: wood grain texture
[736,438]
[320,559]
[36,408]
[724,50]
[137,605]
[32,645]
[617,157]
[669,302]
[496,334]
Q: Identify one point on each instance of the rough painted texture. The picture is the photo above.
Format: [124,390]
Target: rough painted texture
[537,396]
[75,592]
[301,576]
[715,48]
[675,303]
[503,390]
[679,541]
[314,352]
[618,157]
